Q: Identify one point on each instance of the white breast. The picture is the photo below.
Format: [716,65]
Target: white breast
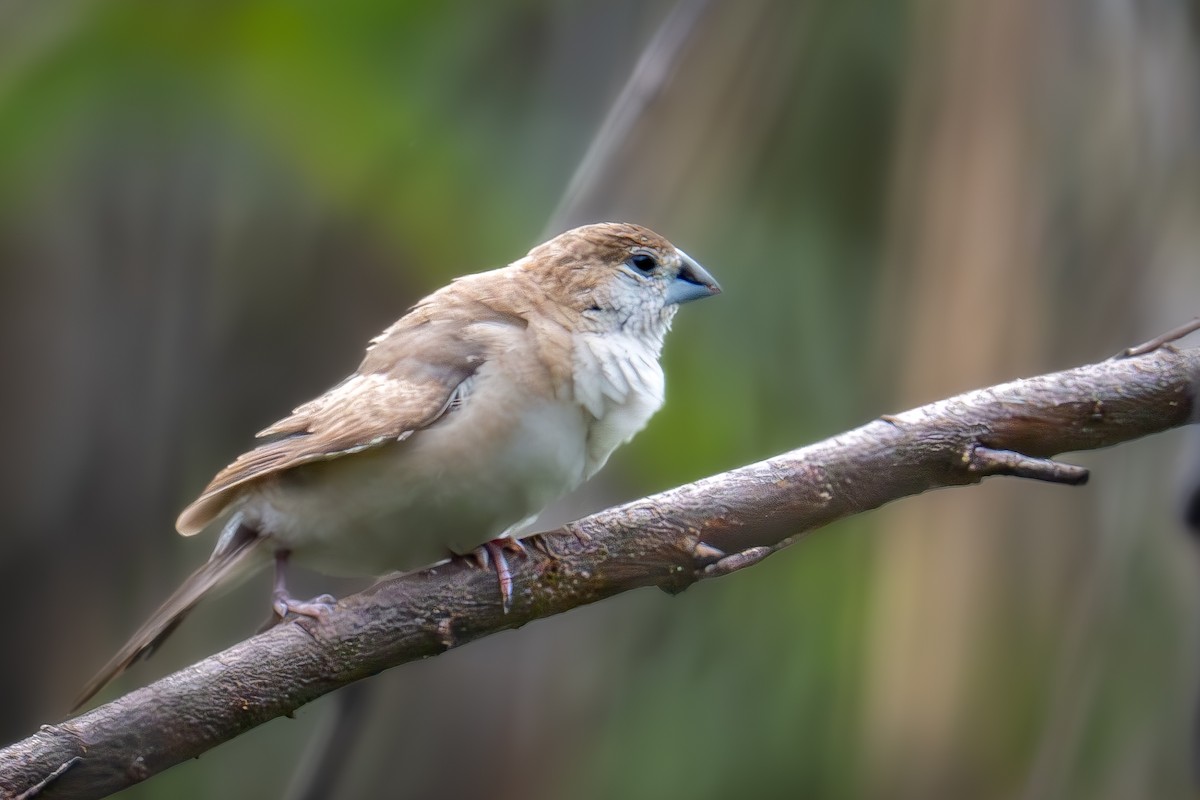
[620,384]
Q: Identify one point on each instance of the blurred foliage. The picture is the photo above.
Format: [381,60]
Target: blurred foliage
[207,208]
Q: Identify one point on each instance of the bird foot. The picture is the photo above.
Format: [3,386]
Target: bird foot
[491,554]
[283,602]
[316,608]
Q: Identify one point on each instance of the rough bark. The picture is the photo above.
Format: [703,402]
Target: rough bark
[704,529]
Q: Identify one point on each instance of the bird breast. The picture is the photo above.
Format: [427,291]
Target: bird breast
[619,383]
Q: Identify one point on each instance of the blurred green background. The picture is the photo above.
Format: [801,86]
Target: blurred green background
[207,208]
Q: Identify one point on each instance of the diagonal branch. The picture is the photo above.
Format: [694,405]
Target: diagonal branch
[704,529]
[646,83]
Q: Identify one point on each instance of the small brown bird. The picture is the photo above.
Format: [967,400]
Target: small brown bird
[484,403]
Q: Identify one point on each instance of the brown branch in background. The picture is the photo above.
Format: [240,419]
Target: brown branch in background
[704,529]
[645,84]
[1173,335]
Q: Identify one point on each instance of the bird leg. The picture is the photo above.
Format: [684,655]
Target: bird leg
[491,554]
[282,600]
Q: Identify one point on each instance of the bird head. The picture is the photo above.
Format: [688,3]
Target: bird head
[619,276]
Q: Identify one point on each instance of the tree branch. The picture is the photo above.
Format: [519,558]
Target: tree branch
[709,528]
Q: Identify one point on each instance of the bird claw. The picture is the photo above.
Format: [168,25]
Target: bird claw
[491,554]
[282,601]
[317,608]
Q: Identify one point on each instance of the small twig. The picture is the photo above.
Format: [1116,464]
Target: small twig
[36,789]
[735,561]
[706,553]
[985,461]
[1173,335]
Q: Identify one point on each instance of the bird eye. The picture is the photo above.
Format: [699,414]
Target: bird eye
[643,263]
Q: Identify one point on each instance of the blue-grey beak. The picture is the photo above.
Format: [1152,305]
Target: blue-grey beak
[692,283]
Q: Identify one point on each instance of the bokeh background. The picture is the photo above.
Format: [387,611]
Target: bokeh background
[206,209]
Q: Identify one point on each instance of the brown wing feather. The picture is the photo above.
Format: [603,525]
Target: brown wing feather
[407,380]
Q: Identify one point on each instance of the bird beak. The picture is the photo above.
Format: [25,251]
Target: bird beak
[692,283]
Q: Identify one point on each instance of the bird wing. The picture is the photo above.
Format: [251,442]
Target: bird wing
[412,374]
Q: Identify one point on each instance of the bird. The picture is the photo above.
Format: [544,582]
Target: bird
[485,402]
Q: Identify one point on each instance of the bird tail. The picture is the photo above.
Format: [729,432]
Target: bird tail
[232,561]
